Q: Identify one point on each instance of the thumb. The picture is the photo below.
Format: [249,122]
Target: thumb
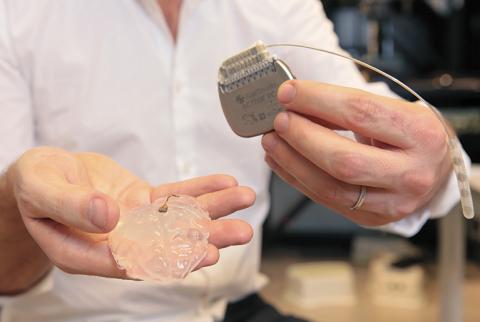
[73,205]
[323,101]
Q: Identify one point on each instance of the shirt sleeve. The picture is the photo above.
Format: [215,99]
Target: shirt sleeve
[16,121]
[306,23]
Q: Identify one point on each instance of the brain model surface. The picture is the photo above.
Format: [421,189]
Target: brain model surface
[163,241]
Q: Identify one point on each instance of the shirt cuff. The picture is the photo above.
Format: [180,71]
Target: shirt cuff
[440,205]
[408,226]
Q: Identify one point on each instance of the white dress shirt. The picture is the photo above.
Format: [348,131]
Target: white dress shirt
[106,76]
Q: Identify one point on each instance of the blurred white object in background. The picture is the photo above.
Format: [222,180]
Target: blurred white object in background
[393,286]
[367,248]
[325,283]
[444,7]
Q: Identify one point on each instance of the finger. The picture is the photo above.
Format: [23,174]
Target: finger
[385,119]
[323,123]
[224,202]
[380,207]
[73,251]
[291,180]
[229,232]
[134,195]
[341,157]
[195,187]
[79,206]
[212,257]
[326,188]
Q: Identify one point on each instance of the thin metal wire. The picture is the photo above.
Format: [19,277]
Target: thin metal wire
[453,143]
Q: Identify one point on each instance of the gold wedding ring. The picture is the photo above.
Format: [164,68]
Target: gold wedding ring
[361,199]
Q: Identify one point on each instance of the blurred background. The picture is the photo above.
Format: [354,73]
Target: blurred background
[434,47]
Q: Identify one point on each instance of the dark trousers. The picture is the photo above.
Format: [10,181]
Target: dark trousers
[254,309]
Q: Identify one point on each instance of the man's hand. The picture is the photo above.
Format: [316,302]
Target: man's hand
[401,155]
[69,202]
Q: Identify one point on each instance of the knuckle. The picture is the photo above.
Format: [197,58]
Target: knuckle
[419,183]
[430,132]
[21,178]
[24,190]
[362,110]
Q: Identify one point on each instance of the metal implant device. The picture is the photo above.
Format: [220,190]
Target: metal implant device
[247,86]
[248,83]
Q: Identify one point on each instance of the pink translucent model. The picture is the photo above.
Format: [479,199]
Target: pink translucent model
[163,241]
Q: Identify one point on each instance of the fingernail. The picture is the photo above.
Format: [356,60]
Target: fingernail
[286,93]
[269,141]
[281,122]
[97,213]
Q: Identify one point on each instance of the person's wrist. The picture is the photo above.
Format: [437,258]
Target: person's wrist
[10,214]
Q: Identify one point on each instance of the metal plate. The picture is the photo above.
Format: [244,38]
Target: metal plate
[251,109]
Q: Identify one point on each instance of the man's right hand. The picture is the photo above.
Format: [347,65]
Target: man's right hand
[70,201]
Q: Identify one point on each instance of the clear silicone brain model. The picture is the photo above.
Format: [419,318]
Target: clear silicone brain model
[163,241]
